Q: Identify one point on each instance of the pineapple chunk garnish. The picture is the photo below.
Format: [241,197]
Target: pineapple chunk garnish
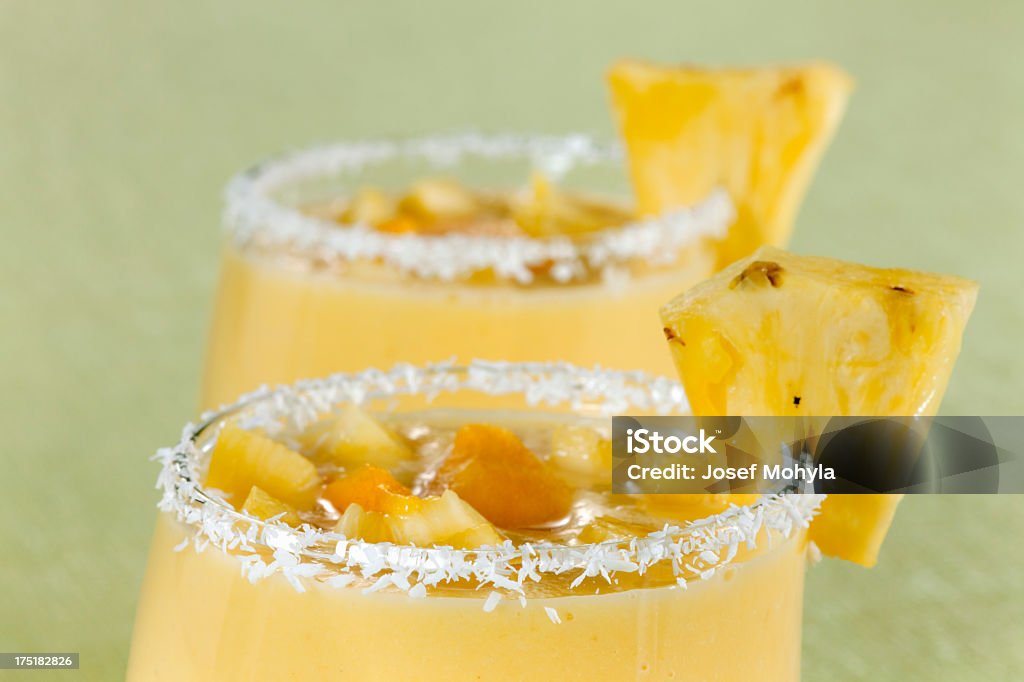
[367,486]
[265,506]
[581,453]
[435,199]
[445,520]
[759,133]
[357,523]
[780,334]
[242,459]
[490,468]
[549,211]
[355,438]
[607,528]
[370,206]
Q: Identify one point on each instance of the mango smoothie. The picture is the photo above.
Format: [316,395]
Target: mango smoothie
[457,523]
[364,254]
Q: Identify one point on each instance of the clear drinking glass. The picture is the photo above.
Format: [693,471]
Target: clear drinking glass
[301,296]
[229,597]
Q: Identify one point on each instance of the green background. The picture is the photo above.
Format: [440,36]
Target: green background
[121,121]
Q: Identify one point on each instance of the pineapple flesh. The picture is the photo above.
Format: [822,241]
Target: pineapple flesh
[759,133]
[244,459]
[780,334]
[263,505]
[355,438]
[445,520]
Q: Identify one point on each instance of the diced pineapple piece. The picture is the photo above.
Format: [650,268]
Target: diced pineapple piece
[243,459]
[367,486]
[355,438]
[370,206]
[548,211]
[356,523]
[757,132]
[606,528]
[431,199]
[780,334]
[444,520]
[424,522]
[581,453]
[264,506]
[490,468]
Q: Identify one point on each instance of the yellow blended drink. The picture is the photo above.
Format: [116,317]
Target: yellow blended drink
[364,254]
[355,529]
[520,248]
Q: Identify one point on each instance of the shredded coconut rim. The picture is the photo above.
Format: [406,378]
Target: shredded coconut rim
[254,216]
[696,549]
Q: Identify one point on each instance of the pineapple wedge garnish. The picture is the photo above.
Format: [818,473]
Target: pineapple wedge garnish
[243,459]
[759,133]
[780,334]
[355,438]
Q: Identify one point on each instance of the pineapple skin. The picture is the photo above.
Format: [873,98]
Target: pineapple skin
[779,334]
[758,132]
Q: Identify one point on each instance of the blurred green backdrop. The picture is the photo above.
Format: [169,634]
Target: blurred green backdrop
[121,121]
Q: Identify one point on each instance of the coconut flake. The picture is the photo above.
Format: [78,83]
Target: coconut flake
[491,602]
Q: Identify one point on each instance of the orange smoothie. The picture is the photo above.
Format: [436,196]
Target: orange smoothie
[345,529]
[306,292]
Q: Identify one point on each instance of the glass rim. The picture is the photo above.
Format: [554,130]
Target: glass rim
[253,216]
[309,552]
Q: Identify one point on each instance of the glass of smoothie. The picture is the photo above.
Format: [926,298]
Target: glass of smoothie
[457,523]
[513,247]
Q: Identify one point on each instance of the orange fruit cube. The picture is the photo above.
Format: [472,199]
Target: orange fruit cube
[490,468]
[368,486]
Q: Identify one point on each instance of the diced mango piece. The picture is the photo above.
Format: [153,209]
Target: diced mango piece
[242,459]
[759,133]
[355,438]
[367,486]
[490,468]
[264,506]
